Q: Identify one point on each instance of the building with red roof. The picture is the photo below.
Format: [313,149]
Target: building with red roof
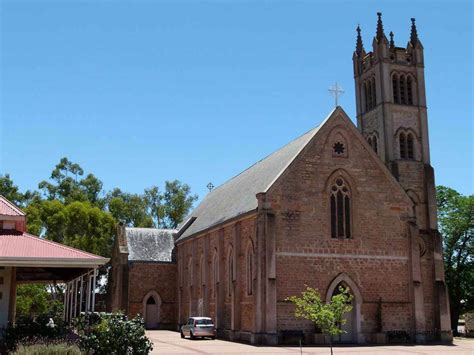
[28,258]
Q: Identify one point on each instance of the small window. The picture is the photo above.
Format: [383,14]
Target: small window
[410,90]
[403,98]
[395,87]
[340,206]
[150,300]
[230,273]
[403,146]
[250,271]
[410,151]
[375,145]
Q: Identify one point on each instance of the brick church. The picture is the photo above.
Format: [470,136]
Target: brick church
[340,205]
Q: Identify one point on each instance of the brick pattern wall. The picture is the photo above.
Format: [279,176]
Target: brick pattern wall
[160,277]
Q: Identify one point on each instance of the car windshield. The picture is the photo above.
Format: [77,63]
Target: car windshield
[203,321]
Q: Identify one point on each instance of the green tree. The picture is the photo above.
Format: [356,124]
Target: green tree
[67,185]
[12,193]
[177,201]
[130,209]
[328,317]
[456,224]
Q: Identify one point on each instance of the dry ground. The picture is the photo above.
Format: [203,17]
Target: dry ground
[167,342]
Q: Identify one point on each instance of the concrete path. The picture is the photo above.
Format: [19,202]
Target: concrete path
[166,342]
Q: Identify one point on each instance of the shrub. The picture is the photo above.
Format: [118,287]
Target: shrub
[112,333]
[39,347]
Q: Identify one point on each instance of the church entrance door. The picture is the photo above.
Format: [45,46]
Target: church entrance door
[349,329]
[152,312]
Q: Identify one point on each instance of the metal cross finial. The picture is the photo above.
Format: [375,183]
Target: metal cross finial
[336,91]
[210,186]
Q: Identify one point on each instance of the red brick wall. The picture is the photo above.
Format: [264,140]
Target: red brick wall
[300,201]
[160,277]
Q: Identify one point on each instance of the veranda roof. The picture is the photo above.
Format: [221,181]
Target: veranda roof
[23,249]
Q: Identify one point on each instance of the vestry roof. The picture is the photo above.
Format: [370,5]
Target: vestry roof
[149,244]
[238,195]
[9,209]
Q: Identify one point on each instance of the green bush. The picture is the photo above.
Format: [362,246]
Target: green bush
[112,333]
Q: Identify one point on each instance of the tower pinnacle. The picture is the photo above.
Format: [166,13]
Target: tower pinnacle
[414,33]
[359,45]
[392,43]
[380,33]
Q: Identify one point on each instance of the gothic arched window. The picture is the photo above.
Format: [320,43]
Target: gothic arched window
[374,94]
[340,210]
[250,270]
[403,146]
[395,87]
[375,144]
[409,90]
[230,271]
[369,140]
[366,96]
[410,150]
[215,272]
[403,97]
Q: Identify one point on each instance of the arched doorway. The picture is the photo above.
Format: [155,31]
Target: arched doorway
[352,326]
[151,310]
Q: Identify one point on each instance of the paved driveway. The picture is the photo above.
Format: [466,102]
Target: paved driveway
[166,342]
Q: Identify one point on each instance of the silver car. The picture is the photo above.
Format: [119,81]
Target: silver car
[199,327]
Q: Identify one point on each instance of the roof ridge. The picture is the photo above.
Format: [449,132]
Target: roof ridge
[264,158]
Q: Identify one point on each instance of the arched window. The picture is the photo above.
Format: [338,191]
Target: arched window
[374,94]
[202,275]
[395,87]
[410,151]
[215,272]
[403,146]
[340,210]
[366,96]
[375,144]
[250,270]
[403,97]
[409,90]
[230,271]
[369,140]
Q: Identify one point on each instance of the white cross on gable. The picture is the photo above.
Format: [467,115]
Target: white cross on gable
[336,91]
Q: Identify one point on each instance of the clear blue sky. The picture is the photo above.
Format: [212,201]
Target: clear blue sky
[140,92]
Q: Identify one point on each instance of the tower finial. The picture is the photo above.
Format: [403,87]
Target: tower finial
[392,43]
[359,45]
[380,33]
[414,33]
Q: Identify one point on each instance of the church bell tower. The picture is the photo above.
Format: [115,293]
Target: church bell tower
[392,114]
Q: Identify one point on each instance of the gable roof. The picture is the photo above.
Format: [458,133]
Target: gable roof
[149,244]
[9,209]
[23,249]
[237,196]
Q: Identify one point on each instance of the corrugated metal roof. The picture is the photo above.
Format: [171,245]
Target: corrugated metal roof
[237,196]
[149,244]
[15,244]
[9,209]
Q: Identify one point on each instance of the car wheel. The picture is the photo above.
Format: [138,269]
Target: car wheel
[182,334]
[192,336]
[213,338]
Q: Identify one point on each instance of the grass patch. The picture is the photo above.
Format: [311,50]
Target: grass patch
[47,349]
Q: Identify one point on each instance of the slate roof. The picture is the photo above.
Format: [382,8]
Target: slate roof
[237,196]
[149,244]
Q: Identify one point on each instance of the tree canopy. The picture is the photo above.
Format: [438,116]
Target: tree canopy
[71,207]
[456,224]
